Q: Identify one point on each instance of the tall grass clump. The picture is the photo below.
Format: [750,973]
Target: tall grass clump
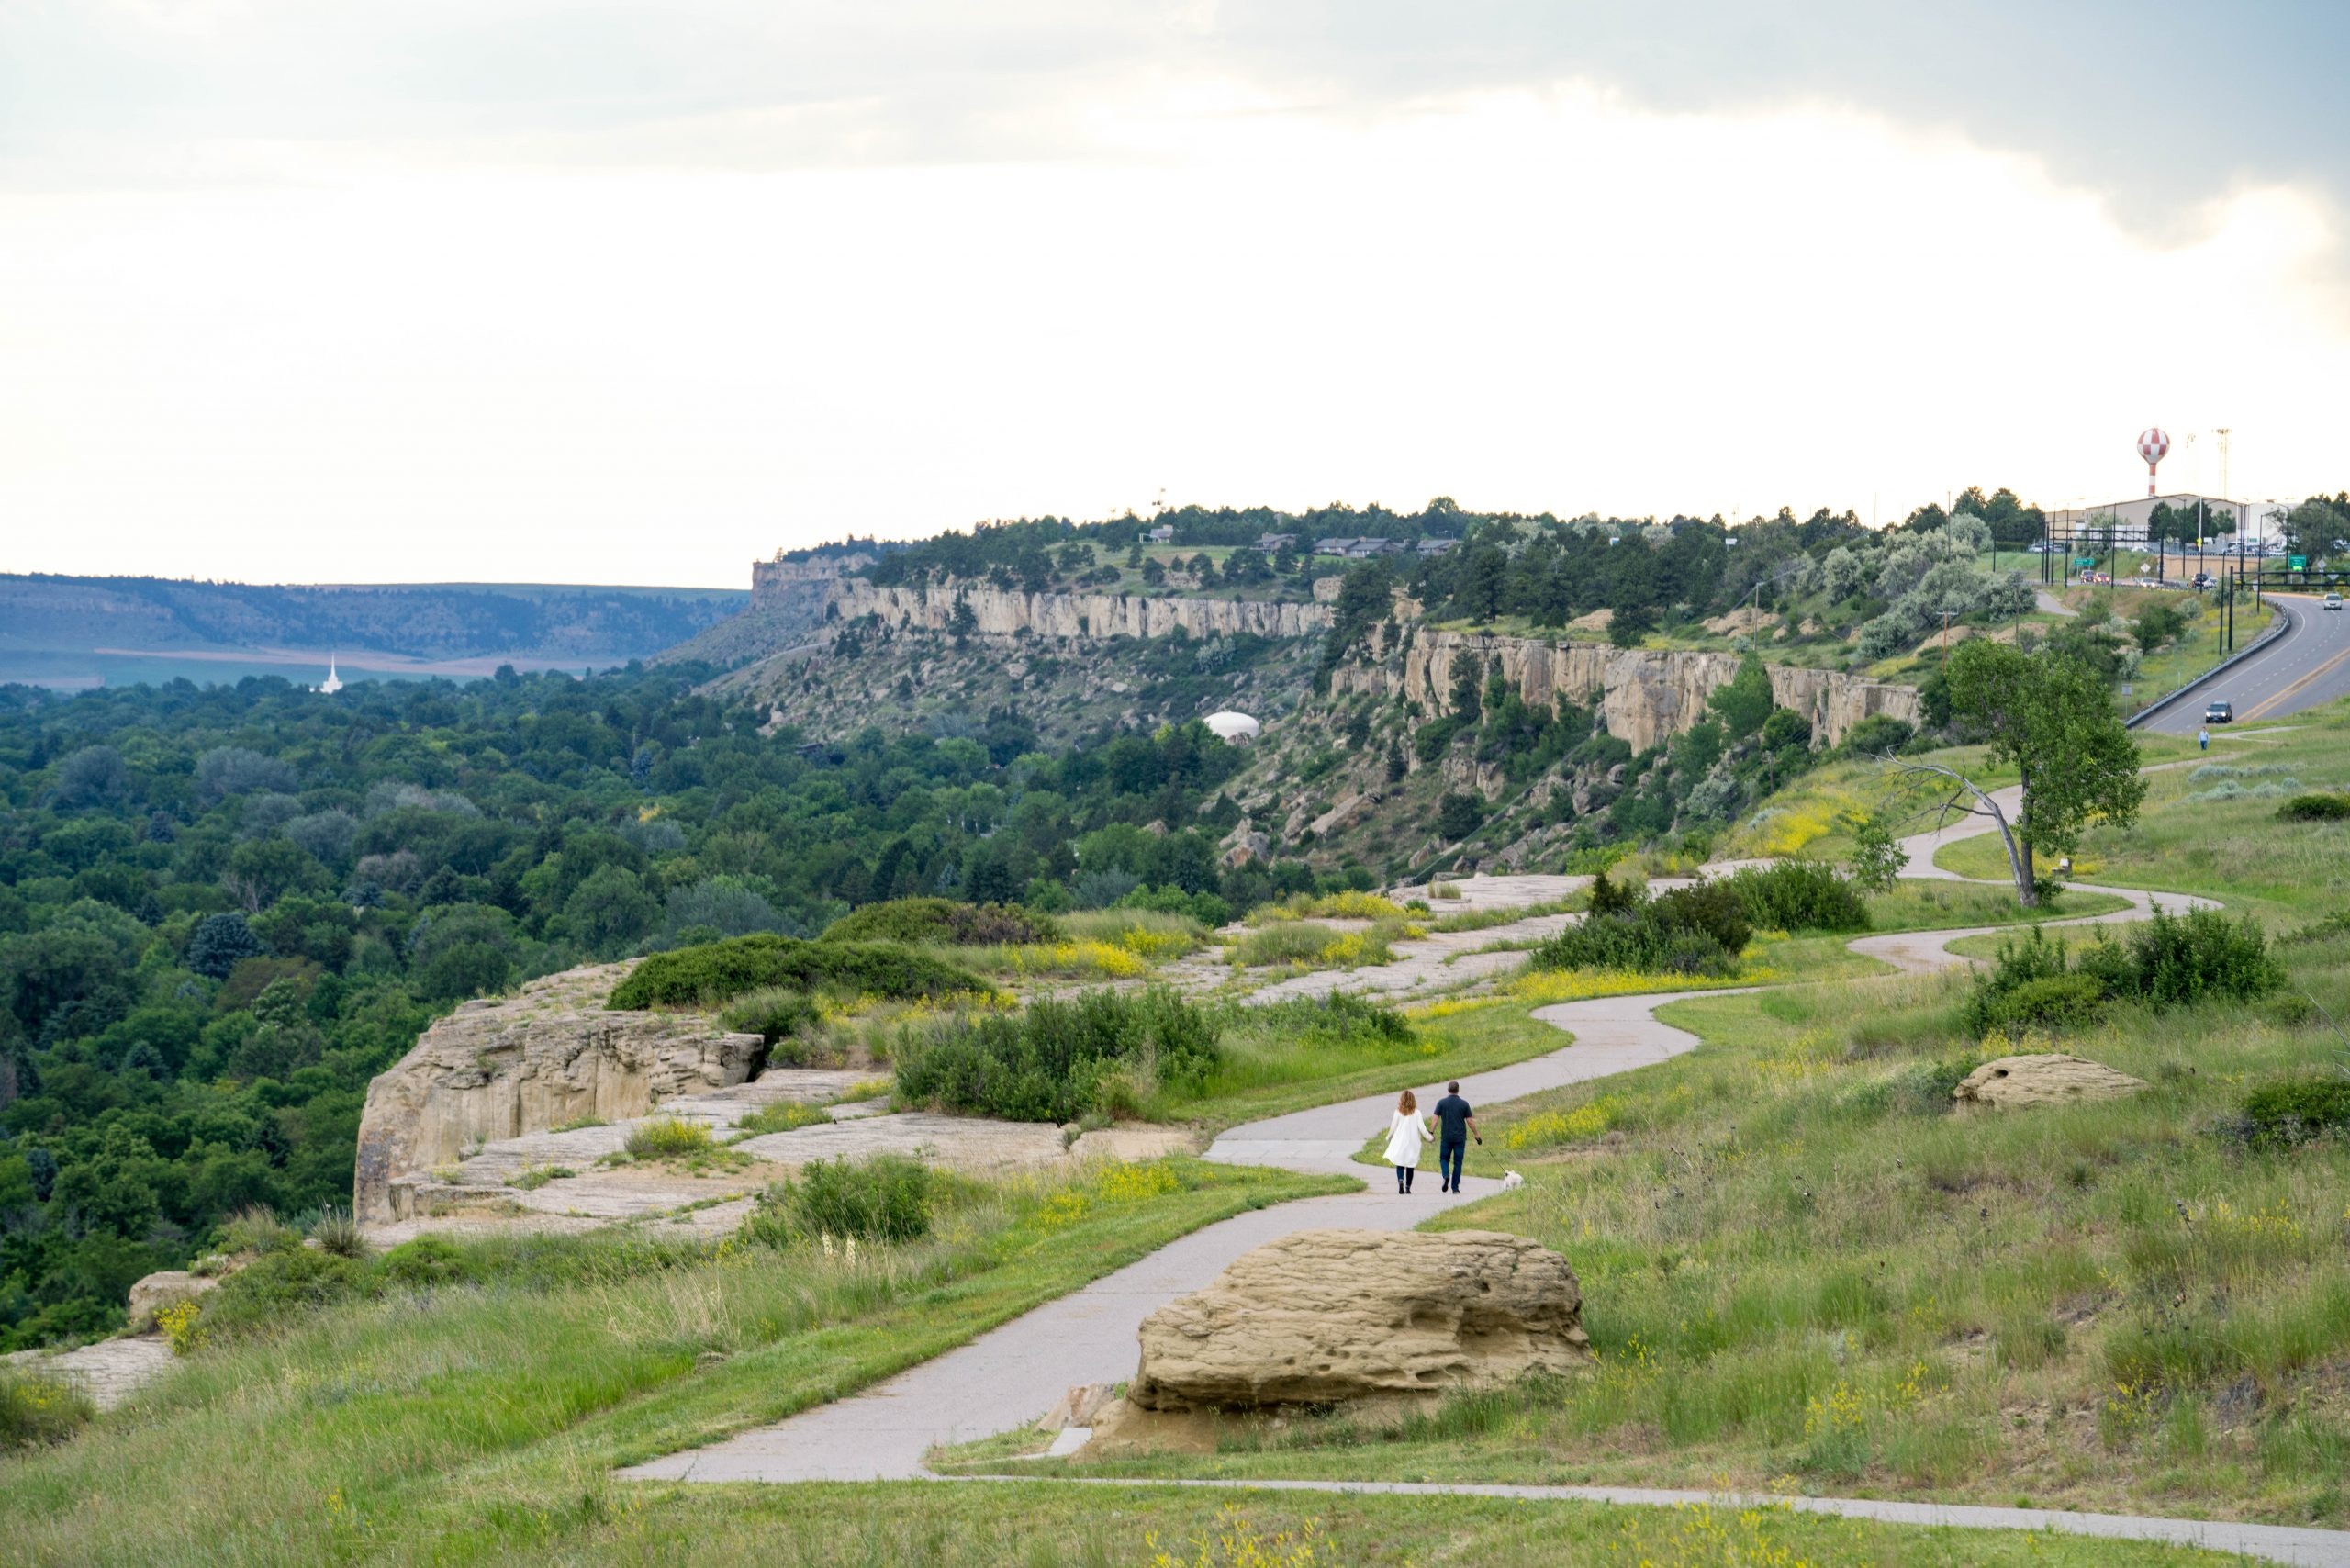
[1697,930]
[1146,933]
[920,921]
[665,1137]
[1799,895]
[1340,1020]
[717,972]
[1346,904]
[886,1198]
[35,1410]
[1060,1060]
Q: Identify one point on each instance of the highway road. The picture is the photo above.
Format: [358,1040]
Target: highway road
[2309,665]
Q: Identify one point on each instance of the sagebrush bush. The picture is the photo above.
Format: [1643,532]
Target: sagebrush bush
[717,972]
[921,920]
[2178,959]
[2331,806]
[264,1292]
[36,1410]
[665,1137]
[1799,895]
[1060,1059]
[886,1198]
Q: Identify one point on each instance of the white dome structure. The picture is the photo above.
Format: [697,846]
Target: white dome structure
[1231,726]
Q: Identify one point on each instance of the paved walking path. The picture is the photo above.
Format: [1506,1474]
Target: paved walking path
[1010,1375]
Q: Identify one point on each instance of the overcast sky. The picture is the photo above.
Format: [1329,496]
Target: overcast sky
[493,289]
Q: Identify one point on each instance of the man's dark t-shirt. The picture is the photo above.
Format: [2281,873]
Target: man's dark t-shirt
[1452,1115]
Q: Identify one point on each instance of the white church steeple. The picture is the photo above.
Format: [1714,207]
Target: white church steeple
[333,682]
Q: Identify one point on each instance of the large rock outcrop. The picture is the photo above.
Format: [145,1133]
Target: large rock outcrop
[1327,1316]
[551,1054]
[2047,1078]
[1000,612]
[1647,695]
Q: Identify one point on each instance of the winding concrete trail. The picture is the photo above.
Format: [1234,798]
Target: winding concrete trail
[1009,1376]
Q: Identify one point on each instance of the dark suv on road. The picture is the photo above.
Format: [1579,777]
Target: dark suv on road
[2219,714]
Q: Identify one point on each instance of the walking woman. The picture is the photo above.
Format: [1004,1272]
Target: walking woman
[1406,1132]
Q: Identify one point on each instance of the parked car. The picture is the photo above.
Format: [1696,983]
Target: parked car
[2203,581]
[2333,601]
[2219,714]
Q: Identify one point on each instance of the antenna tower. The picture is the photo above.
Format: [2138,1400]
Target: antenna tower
[2223,433]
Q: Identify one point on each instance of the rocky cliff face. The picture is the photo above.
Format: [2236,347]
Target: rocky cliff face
[550,1054]
[1002,613]
[1647,695]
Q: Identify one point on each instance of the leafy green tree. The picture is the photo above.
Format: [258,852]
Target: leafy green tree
[1459,814]
[220,943]
[1878,857]
[1744,704]
[2053,719]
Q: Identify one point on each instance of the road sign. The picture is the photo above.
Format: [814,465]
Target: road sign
[2085,562]
[2297,563]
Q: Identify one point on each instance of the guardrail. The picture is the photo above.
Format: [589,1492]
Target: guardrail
[2284,621]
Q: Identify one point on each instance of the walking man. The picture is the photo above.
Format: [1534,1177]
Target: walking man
[2202,740]
[1456,1124]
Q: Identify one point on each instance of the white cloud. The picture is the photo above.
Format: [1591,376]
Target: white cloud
[473,341]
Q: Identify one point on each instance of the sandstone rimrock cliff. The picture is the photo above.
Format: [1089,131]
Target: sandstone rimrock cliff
[551,1054]
[1002,613]
[1647,695]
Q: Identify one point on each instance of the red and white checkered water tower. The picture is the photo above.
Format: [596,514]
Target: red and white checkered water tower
[2153,445]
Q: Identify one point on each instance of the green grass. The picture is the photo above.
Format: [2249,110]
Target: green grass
[1307,945]
[1924,904]
[665,1137]
[782,1116]
[481,1424]
[1037,1525]
[2235,849]
[1799,1268]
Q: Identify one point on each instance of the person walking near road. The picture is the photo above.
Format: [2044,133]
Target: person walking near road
[2202,740]
[1456,1124]
[1407,1135]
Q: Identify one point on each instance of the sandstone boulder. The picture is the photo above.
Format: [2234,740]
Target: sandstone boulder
[1329,1316]
[551,1054]
[2052,1079]
[158,1291]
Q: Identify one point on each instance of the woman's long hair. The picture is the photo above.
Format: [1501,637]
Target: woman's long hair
[1408,1104]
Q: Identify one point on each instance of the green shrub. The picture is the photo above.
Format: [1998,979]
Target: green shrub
[262,1293]
[1799,895]
[783,1117]
[36,1410]
[1288,942]
[2295,1110]
[2178,959]
[1338,1019]
[921,920]
[888,1197]
[1700,929]
[2056,1001]
[257,1228]
[717,972]
[774,1013]
[1056,1061]
[2331,806]
[425,1261]
[665,1137]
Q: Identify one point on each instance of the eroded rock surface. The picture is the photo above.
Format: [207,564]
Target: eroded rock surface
[549,1055]
[1000,612]
[2050,1078]
[1648,695]
[1322,1316]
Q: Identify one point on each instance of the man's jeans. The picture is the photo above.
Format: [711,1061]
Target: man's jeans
[1447,1160]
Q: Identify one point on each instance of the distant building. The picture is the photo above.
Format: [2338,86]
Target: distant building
[1435,546]
[1273,543]
[1163,534]
[333,682]
[2253,520]
[1331,547]
[1238,728]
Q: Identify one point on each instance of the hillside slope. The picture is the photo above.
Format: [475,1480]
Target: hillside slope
[72,631]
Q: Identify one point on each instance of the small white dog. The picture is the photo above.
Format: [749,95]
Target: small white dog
[1510,1180]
